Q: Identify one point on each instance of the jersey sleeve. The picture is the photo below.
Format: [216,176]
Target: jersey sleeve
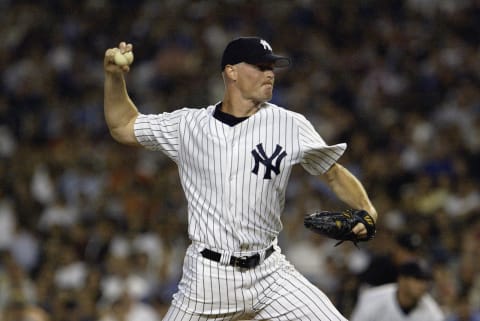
[160,132]
[317,156]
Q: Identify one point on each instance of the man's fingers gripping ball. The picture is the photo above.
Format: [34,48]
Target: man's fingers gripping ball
[123,59]
[119,59]
[340,225]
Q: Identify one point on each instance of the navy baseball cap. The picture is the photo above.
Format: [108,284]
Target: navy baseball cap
[415,269]
[252,50]
[409,241]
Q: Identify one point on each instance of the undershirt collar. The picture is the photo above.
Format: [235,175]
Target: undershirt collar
[225,118]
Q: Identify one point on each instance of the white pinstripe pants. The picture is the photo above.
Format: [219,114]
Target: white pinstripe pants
[272,291]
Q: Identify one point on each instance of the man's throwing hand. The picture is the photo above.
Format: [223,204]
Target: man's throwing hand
[118,59]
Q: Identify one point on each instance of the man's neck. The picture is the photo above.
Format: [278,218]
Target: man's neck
[406,303]
[239,107]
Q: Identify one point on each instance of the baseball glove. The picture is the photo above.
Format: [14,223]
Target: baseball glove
[339,225]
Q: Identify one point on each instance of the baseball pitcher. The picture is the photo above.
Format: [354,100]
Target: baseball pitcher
[234,159]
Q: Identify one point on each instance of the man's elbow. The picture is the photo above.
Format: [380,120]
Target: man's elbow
[332,173]
[124,136]
[123,132]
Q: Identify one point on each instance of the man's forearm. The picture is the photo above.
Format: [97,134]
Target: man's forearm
[120,111]
[349,189]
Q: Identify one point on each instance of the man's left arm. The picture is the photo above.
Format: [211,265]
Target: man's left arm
[349,190]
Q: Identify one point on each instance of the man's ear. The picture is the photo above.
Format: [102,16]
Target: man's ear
[231,72]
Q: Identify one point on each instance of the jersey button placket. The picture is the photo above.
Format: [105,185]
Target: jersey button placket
[228,177]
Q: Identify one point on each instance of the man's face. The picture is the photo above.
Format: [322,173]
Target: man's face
[256,81]
[415,288]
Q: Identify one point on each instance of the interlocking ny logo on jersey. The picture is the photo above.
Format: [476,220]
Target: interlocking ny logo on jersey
[261,157]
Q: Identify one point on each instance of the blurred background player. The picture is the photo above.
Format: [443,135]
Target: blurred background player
[406,300]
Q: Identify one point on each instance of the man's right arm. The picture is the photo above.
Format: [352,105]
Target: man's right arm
[120,112]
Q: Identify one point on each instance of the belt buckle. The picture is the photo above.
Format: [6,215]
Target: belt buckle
[247,262]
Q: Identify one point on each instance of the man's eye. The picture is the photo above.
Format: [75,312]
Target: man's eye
[264,67]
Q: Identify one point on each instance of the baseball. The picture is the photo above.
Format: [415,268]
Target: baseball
[123,59]
[129,56]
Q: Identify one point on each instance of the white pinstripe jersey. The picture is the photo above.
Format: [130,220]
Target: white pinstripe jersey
[235,177]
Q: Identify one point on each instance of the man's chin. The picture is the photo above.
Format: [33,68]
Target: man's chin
[267,97]
[264,98]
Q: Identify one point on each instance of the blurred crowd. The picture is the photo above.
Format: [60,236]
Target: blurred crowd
[91,230]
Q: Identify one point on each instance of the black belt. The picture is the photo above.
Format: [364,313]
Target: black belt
[247,262]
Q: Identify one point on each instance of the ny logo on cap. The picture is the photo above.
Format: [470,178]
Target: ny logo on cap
[265,45]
